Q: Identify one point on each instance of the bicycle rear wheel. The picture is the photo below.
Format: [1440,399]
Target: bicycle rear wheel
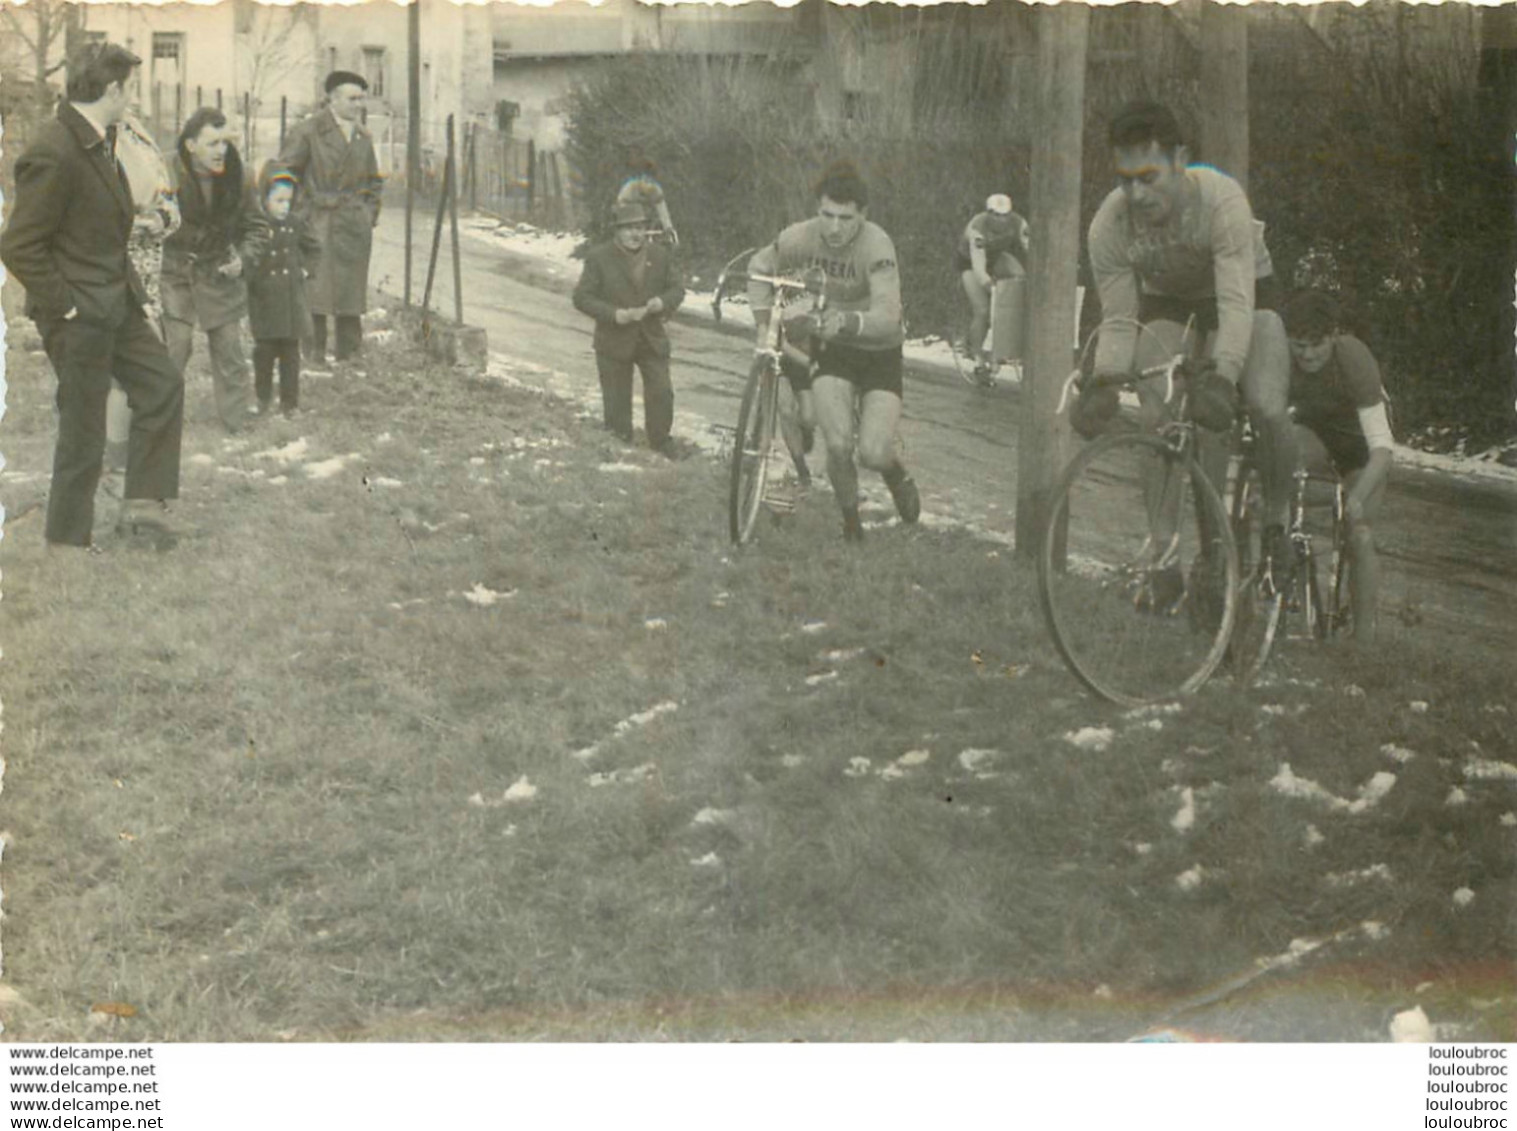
[1259,595]
[1139,619]
[753,448]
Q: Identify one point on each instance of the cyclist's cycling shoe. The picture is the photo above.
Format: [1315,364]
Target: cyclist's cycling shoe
[984,375]
[1094,409]
[1213,401]
[908,500]
[1162,591]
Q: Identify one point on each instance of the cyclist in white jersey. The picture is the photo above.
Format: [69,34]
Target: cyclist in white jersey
[860,334]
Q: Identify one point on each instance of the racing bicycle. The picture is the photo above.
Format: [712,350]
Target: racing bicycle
[756,466]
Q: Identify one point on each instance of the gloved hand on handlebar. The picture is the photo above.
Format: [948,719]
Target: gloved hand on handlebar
[1096,405]
[1213,398]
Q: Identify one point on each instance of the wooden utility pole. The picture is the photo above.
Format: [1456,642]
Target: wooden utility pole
[413,125]
[1043,445]
[1224,88]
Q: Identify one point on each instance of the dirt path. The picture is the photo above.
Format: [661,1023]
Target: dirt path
[1449,543]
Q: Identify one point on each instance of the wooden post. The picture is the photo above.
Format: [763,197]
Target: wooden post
[531,175]
[199,100]
[1043,441]
[284,109]
[450,180]
[442,210]
[413,125]
[218,98]
[247,124]
[1224,88]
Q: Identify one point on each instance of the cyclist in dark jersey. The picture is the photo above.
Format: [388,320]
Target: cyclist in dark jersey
[1342,427]
[992,247]
[859,363]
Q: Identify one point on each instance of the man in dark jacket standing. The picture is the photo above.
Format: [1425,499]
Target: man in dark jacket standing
[332,156]
[205,261]
[629,287]
[66,243]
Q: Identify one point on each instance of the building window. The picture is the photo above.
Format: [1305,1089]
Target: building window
[168,58]
[374,70]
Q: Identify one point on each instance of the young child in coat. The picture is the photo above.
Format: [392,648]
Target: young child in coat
[278,312]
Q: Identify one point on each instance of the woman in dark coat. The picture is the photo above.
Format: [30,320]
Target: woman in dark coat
[204,261]
[278,311]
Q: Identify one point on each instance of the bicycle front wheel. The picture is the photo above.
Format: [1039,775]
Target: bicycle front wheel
[1138,573]
[753,448]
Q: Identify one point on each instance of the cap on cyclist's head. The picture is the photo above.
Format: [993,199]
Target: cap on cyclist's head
[1140,123]
[625,215]
[998,204]
[1310,316]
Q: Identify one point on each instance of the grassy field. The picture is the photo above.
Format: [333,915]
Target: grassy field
[457,720]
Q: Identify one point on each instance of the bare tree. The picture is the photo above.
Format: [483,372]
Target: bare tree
[43,29]
[274,42]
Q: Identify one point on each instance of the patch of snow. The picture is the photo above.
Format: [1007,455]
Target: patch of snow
[1312,837]
[1509,820]
[976,758]
[485,597]
[710,816]
[819,678]
[1456,797]
[1191,878]
[1090,738]
[1463,897]
[710,860]
[841,655]
[623,776]
[1185,819]
[643,718]
[1485,769]
[293,452]
[1411,1026]
[1349,879]
[622,468]
[1375,930]
[812,627]
[1418,706]
[520,790]
[914,758]
[655,624]
[200,459]
[1397,753]
[325,469]
[857,767]
[791,761]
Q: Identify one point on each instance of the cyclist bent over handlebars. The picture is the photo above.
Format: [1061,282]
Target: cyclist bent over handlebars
[1173,242]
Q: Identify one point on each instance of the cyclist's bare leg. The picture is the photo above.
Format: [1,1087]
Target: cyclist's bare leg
[979,318]
[1266,393]
[879,442]
[1364,563]
[833,400]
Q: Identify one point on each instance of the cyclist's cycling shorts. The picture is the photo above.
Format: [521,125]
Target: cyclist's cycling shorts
[1344,441]
[1166,308]
[867,370]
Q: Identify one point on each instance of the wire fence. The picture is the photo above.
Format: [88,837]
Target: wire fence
[498,173]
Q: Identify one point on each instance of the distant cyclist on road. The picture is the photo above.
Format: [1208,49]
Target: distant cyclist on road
[992,247]
[1175,241]
[860,334]
[1342,427]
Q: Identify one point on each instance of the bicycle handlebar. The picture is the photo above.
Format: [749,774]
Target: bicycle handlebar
[1167,368]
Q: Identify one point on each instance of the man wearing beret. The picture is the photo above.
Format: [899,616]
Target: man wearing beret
[332,155]
[629,287]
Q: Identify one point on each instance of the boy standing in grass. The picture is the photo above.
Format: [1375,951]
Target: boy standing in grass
[629,287]
[278,311]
